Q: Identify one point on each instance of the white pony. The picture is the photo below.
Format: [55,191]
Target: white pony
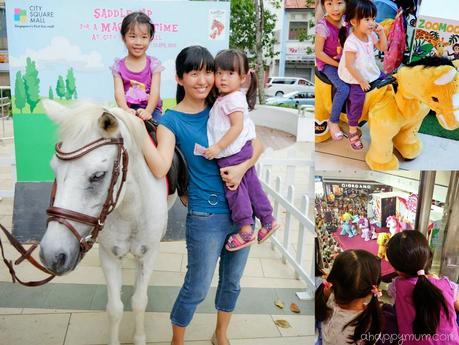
[138,221]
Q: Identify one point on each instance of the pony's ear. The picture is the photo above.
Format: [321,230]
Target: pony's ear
[108,123]
[444,75]
[55,111]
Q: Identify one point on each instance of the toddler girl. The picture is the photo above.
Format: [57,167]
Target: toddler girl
[357,66]
[230,131]
[137,76]
[347,301]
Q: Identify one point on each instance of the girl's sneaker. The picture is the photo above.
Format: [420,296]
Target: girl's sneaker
[335,131]
[266,231]
[240,240]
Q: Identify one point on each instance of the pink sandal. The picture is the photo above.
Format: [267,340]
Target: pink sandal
[234,243]
[354,140]
[266,231]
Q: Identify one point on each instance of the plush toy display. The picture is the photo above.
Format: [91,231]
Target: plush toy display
[393,117]
[382,240]
[346,225]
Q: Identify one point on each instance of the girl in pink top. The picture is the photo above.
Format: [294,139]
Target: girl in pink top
[137,76]
[424,304]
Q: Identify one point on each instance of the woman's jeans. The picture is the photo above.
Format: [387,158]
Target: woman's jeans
[206,235]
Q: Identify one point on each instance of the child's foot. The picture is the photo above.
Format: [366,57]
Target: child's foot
[266,231]
[354,140]
[240,240]
[335,131]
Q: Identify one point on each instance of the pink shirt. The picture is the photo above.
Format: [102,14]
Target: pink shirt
[447,330]
[332,47]
[137,85]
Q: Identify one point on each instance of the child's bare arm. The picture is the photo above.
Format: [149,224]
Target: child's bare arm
[153,98]
[319,48]
[350,65]
[119,94]
[237,124]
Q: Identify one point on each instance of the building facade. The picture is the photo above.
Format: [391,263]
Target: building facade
[295,37]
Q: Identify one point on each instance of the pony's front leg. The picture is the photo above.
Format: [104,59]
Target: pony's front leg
[383,127]
[112,271]
[139,301]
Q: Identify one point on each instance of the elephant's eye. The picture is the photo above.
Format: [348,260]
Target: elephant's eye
[435,99]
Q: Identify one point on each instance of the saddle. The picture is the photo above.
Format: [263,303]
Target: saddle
[377,84]
[177,177]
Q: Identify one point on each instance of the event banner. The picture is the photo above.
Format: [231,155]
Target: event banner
[63,50]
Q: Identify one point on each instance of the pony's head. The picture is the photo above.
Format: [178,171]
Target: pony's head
[393,224]
[435,82]
[82,183]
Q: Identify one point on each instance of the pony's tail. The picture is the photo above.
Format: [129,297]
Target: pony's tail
[428,300]
[251,94]
[370,322]
[342,35]
[321,310]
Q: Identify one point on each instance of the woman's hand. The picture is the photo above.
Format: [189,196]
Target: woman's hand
[233,175]
[143,114]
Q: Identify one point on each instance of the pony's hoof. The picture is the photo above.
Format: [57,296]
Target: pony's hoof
[409,151]
[391,165]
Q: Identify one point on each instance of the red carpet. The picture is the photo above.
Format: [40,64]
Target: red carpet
[371,246]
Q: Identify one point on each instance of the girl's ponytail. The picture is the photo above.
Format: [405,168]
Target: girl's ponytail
[322,311]
[428,301]
[342,34]
[369,322]
[251,94]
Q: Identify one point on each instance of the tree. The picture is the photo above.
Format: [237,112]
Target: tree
[50,93]
[19,92]
[32,84]
[70,84]
[60,87]
[75,95]
[249,21]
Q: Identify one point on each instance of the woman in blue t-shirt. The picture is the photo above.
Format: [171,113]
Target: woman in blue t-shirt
[208,223]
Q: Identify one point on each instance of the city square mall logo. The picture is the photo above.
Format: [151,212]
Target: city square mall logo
[20,15]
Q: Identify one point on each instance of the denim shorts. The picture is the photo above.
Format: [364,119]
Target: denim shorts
[206,235]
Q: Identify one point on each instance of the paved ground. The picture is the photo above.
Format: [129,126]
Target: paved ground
[69,311]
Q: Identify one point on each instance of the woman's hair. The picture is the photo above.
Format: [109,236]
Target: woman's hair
[357,10]
[408,252]
[236,61]
[137,18]
[194,58]
[354,275]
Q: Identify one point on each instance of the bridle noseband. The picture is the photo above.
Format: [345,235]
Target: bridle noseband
[62,215]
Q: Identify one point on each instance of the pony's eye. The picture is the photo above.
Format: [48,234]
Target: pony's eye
[435,99]
[98,176]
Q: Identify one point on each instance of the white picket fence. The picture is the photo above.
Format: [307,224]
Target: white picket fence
[296,214]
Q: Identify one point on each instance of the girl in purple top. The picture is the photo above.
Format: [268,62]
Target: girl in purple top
[137,76]
[424,303]
[328,55]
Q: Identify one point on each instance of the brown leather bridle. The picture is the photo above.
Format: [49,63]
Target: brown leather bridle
[62,215]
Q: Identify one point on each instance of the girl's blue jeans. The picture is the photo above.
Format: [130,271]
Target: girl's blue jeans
[342,92]
[206,235]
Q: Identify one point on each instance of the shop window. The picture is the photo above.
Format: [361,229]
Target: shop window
[297,31]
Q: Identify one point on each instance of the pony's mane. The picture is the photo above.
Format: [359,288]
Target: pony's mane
[431,61]
[83,119]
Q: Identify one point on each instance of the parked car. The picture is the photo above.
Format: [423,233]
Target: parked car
[294,99]
[279,86]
